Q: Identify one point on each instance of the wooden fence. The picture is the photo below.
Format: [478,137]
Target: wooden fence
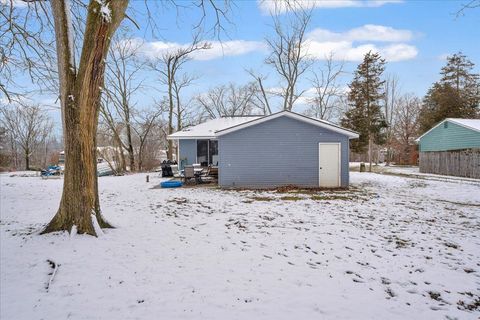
[461,163]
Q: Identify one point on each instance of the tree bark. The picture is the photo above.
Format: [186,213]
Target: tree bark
[131,154]
[370,153]
[80,99]
[123,164]
[170,115]
[27,159]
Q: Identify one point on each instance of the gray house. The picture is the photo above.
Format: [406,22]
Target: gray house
[283,148]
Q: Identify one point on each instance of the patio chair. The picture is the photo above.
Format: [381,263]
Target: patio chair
[175,172]
[212,171]
[188,173]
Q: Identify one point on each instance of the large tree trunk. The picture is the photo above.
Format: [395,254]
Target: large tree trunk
[27,159]
[123,164]
[131,153]
[80,97]
[131,157]
[140,160]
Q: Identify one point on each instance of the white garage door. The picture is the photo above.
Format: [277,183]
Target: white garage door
[329,163]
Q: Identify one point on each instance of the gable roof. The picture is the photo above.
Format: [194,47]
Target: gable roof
[472,124]
[221,126]
[293,115]
[208,129]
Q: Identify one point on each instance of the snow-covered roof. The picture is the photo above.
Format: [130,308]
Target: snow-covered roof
[208,129]
[217,127]
[314,121]
[472,124]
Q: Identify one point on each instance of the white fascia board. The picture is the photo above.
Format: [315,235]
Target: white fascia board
[172,137]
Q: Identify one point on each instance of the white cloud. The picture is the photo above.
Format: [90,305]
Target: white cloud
[345,50]
[443,56]
[280,6]
[352,45]
[399,52]
[368,32]
[219,49]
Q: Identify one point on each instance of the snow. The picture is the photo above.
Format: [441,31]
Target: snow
[96,226]
[207,129]
[389,248]
[73,231]
[470,123]
[412,171]
[105,11]
[69,27]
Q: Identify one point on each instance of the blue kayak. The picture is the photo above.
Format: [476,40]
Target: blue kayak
[171,184]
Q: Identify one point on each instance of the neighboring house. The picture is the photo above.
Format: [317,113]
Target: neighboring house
[452,147]
[281,149]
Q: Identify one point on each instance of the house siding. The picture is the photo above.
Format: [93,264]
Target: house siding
[188,152]
[282,151]
[454,137]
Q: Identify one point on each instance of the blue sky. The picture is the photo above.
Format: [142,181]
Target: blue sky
[429,30]
[414,36]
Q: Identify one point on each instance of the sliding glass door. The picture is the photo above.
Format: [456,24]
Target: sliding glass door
[213,153]
[207,152]
[202,152]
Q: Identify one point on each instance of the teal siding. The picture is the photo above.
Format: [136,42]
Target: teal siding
[454,137]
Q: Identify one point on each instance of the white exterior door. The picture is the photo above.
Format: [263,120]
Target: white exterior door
[329,158]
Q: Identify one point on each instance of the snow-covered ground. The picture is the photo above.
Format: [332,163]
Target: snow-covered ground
[389,248]
[411,171]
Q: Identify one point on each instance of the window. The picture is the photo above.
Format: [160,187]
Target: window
[202,152]
[445,125]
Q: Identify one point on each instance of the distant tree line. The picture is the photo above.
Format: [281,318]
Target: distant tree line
[26,137]
[386,119]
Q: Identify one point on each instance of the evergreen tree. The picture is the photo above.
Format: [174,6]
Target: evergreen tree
[456,95]
[364,99]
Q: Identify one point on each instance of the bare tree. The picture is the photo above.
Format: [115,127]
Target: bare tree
[80,82]
[28,126]
[407,126]
[145,122]
[288,56]
[390,103]
[122,83]
[228,101]
[168,66]
[327,90]
[109,149]
[24,49]
[181,110]
[469,4]
[261,93]
[80,89]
